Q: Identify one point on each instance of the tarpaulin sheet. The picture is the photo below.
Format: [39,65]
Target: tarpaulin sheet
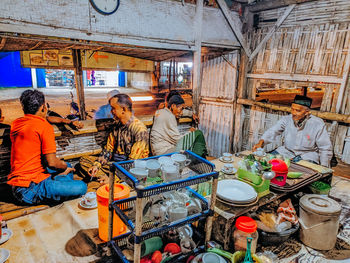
[42,237]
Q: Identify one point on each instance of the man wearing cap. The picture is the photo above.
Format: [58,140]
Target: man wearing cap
[165,136]
[104,112]
[305,135]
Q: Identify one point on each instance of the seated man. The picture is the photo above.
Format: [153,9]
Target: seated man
[37,175]
[105,111]
[165,136]
[128,140]
[305,136]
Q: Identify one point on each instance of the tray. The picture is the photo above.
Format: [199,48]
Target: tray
[119,243]
[151,229]
[309,176]
[201,170]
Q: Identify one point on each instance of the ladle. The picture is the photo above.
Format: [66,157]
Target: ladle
[268,175]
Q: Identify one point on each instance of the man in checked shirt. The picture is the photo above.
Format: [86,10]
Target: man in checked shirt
[128,140]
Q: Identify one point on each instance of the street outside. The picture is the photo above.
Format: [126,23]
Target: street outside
[59,100]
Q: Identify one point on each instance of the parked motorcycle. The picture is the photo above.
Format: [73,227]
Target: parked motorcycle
[74,111]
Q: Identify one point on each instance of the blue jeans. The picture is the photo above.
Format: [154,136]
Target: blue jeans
[53,189]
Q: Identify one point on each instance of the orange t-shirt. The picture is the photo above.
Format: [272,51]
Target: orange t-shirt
[31,137]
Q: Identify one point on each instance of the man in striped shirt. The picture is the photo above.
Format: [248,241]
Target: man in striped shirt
[128,140]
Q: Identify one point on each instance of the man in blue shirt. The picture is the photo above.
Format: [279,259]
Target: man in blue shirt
[104,112]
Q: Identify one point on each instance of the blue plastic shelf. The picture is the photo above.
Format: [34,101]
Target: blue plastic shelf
[203,169]
[151,229]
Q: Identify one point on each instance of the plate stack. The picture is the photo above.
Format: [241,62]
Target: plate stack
[236,193]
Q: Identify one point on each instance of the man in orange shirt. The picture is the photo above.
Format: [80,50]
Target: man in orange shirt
[37,175]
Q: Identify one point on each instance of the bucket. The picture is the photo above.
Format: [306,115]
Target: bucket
[319,221]
[120,192]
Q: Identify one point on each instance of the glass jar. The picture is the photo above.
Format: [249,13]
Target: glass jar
[245,227]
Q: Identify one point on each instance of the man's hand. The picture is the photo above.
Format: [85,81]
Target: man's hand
[103,180]
[192,129]
[67,171]
[93,171]
[260,144]
[78,124]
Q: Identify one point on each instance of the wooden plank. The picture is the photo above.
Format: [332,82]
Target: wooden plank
[196,86]
[234,26]
[273,4]
[2,43]
[296,77]
[345,118]
[79,83]
[272,30]
[343,83]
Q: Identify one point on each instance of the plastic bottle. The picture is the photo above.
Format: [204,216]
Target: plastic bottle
[245,227]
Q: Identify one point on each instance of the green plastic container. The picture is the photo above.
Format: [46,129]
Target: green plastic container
[262,187]
[320,188]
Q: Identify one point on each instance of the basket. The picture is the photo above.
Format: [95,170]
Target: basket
[124,209]
[118,244]
[200,170]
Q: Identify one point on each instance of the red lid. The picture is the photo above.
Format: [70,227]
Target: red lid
[279,165]
[246,224]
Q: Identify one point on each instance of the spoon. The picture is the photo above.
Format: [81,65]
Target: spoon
[258,166]
[268,175]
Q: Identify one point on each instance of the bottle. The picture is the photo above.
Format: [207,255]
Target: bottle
[245,227]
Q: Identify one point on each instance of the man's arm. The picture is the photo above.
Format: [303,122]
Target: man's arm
[104,157]
[58,120]
[271,134]
[140,148]
[324,145]
[55,163]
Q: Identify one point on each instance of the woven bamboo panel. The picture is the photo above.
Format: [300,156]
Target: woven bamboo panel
[310,50]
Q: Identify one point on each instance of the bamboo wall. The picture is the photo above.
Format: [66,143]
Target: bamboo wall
[311,48]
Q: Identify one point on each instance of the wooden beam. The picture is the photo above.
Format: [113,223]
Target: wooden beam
[272,4]
[79,84]
[196,86]
[36,45]
[344,118]
[297,77]
[2,43]
[344,82]
[237,108]
[234,25]
[272,30]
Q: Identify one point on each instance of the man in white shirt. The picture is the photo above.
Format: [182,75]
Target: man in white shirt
[305,135]
[165,136]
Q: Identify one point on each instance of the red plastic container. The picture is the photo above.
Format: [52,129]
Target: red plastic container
[281,170]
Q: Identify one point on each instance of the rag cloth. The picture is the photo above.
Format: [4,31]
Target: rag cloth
[286,212]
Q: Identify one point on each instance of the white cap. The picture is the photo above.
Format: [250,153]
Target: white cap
[112,93]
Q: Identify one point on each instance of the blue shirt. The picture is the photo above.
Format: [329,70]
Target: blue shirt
[104,112]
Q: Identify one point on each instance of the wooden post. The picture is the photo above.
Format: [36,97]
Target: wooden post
[197,56]
[344,82]
[138,229]
[238,122]
[209,224]
[79,84]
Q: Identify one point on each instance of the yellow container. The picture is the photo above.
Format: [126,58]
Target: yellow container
[120,192]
